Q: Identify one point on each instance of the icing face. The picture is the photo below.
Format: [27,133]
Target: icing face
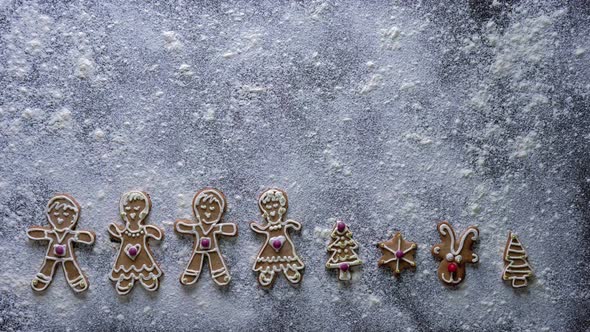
[133,210]
[62,213]
[209,211]
[273,205]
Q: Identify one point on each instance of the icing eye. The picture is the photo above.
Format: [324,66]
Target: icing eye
[66,214]
[136,208]
[212,208]
[56,214]
[275,205]
[204,207]
[268,206]
[127,208]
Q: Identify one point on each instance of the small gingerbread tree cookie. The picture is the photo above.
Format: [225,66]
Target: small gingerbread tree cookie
[454,253]
[398,254]
[278,251]
[516,264]
[62,213]
[208,209]
[135,261]
[342,247]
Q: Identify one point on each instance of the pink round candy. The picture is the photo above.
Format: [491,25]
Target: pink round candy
[344,266]
[341,226]
[205,243]
[132,251]
[399,254]
[277,244]
[60,250]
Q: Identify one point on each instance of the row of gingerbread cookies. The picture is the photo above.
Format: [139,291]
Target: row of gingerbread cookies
[135,261]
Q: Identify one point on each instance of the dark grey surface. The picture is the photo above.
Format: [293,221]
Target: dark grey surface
[389,116]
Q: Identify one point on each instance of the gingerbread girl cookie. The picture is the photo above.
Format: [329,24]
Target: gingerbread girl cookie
[454,254]
[62,213]
[278,252]
[208,209]
[342,247]
[398,254]
[134,260]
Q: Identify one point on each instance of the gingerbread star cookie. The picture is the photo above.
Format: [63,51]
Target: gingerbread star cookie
[62,213]
[454,252]
[398,254]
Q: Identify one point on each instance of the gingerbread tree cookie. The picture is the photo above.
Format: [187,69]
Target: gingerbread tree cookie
[398,254]
[516,264]
[135,261]
[342,247]
[208,209]
[278,252]
[454,253]
[62,213]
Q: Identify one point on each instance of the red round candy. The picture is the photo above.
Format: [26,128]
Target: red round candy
[452,267]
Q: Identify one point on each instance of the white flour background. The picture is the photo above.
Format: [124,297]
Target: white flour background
[389,115]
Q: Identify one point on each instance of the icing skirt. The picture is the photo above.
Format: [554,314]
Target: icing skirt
[278,263]
[144,272]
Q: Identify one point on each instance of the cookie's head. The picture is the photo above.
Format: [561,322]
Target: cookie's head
[273,205]
[63,212]
[209,205]
[134,207]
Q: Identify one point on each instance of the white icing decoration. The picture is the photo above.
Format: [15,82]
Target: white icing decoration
[291,268]
[522,271]
[80,283]
[449,257]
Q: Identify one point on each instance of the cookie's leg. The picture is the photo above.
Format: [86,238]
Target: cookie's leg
[218,269]
[266,278]
[124,286]
[45,275]
[293,275]
[75,277]
[150,284]
[193,270]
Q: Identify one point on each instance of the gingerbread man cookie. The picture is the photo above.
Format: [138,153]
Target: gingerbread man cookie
[134,260]
[62,213]
[342,247]
[398,254]
[517,269]
[454,254]
[278,252]
[208,209]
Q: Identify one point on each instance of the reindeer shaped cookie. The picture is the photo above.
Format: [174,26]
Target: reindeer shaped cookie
[62,213]
[208,208]
[454,253]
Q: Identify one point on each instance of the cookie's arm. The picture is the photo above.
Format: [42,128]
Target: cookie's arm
[228,229]
[37,233]
[154,232]
[114,231]
[85,237]
[184,226]
[292,223]
[257,228]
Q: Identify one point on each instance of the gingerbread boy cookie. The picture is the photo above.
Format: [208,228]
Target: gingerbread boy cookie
[398,254]
[208,209]
[342,246]
[62,213]
[135,261]
[454,253]
[278,252]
